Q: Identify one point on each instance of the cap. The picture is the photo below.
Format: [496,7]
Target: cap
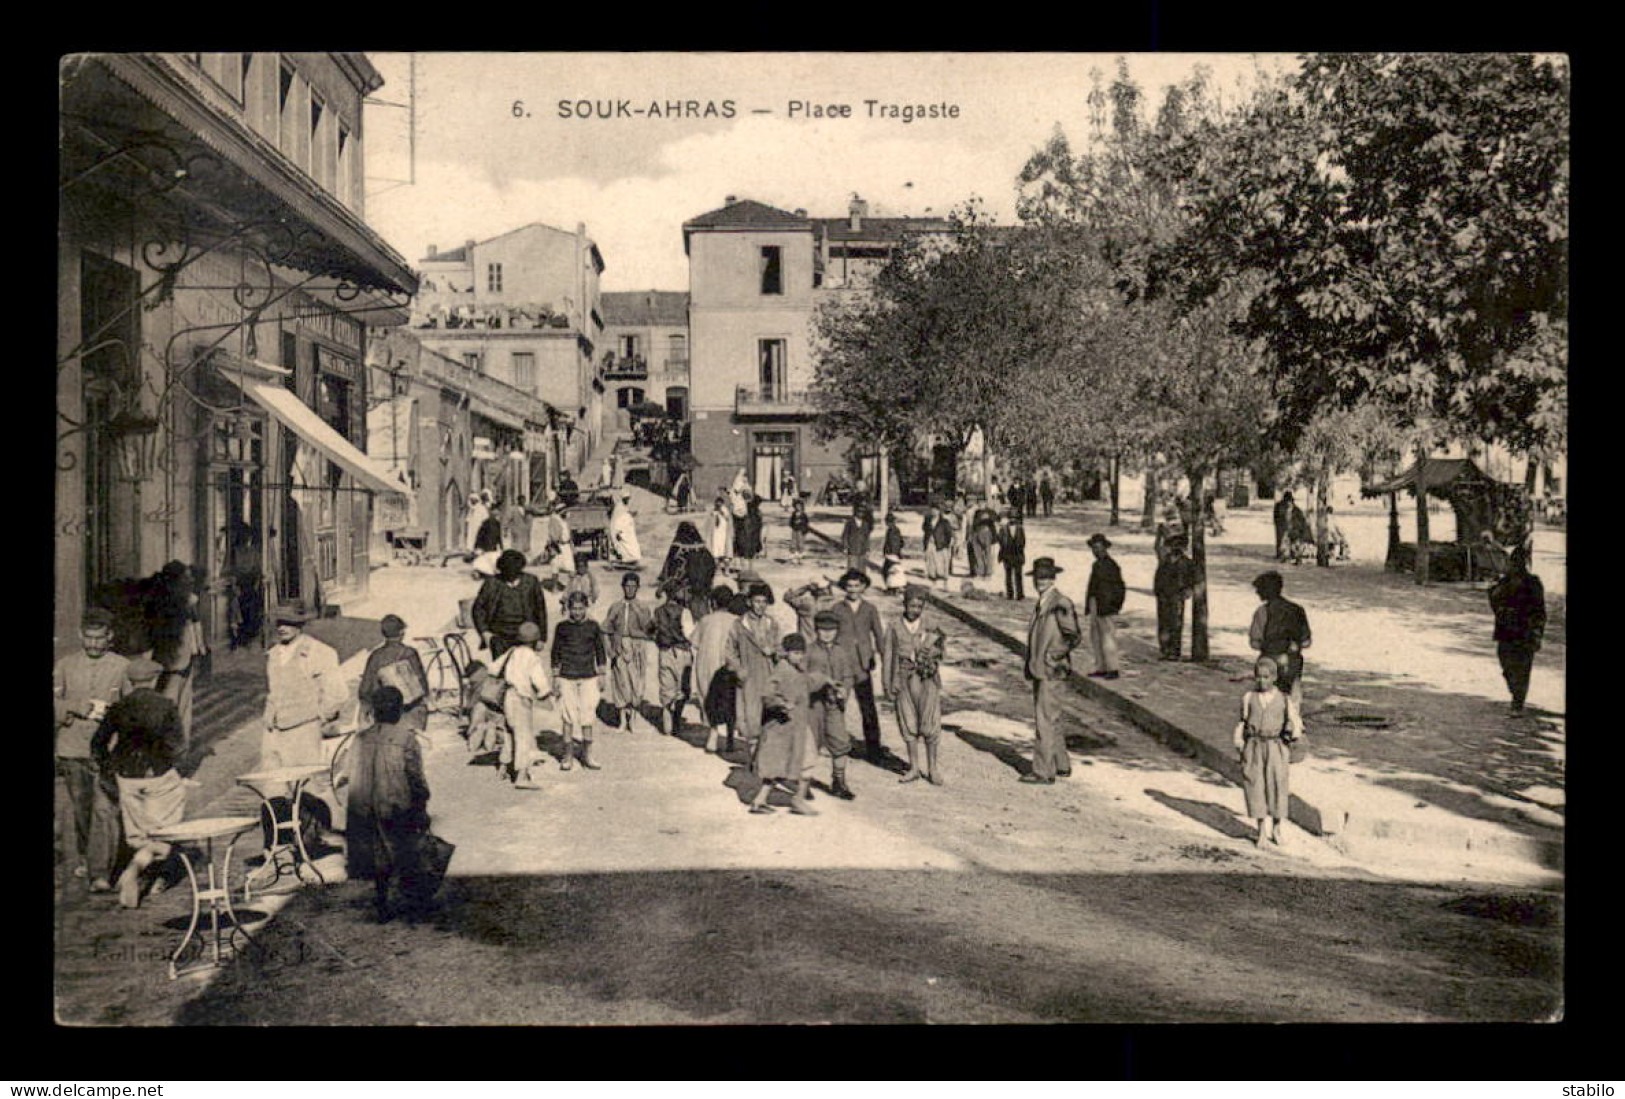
[794,643]
[142,669]
[577,598]
[827,620]
[97,618]
[291,614]
[914,591]
[392,625]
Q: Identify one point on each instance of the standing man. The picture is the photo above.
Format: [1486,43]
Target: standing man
[863,637]
[478,513]
[1519,602]
[1283,525]
[831,672]
[1280,628]
[855,537]
[396,664]
[136,749]
[912,682]
[628,626]
[506,601]
[304,692]
[1029,494]
[1102,603]
[1053,635]
[84,684]
[1046,493]
[1013,554]
[1174,581]
[673,631]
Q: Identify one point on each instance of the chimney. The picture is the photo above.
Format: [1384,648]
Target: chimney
[730,200]
[468,247]
[431,251]
[800,213]
[858,210]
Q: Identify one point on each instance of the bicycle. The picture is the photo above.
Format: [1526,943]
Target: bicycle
[443,664]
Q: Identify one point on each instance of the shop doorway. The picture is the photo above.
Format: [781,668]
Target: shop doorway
[773,453]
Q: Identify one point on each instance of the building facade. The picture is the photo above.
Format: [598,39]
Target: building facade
[451,432]
[646,357]
[757,275]
[216,284]
[525,309]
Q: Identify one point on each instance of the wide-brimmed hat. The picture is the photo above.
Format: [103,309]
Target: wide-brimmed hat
[1045,567]
[854,574]
[1100,540]
[290,614]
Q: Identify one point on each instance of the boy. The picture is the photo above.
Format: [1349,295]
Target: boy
[799,525]
[579,658]
[832,669]
[785,745]
[912,682]
[627,626]
[673,631]
[1269,723]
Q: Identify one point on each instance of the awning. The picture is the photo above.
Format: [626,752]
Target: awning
[301,419]
[1437,473]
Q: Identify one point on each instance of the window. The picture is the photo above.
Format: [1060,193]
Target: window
[245,77]
[471,359]
[629,347]
[772,273]
[287,104]
[626,397]
[346,174]
[524,370]
[770,354]
[335,403]
[493,278]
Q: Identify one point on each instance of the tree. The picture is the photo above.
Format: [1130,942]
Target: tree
[1408,215]
[932,347]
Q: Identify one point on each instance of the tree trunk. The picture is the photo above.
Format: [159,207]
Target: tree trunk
[1198,540]
[1421,515]
[1323,489]
[1115,487]
[1530,471]
[885,486]
[987,464]
[1148,515]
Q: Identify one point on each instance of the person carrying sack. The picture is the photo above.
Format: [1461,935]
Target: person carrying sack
[396,664]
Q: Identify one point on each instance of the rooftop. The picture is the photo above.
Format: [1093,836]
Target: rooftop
[637,308]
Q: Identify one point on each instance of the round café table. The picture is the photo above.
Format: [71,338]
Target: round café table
[283,857]
[205,832]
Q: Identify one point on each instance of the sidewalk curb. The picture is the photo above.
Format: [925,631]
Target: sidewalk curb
[1346,831]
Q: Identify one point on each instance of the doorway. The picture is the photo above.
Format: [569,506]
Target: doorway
[773,454]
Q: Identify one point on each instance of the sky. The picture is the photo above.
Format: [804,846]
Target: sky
[489,150]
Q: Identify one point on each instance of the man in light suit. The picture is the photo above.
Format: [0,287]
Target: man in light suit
[1053,635]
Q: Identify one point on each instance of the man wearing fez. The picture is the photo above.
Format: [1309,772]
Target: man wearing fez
[84,684]
[863,636]
[1053,635]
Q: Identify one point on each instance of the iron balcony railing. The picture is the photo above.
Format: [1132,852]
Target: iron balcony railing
[771,401]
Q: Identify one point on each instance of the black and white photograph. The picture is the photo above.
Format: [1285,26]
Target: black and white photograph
[701,538]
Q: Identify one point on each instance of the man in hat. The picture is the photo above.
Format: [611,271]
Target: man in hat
[135,750]
[1013,554]
[304,692]
[832,669]
[84,684]
[396,664]
[1280,628]
[1053,635]
[912,682]
[628,628]
[863,636]
[511,597]
[1518,601]
[1173,583]
[1101,603]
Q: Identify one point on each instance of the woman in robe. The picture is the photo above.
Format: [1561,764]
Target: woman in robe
[712,681]
[388,805]
[753,645]
[623,532]
[750,530]
[720,540]
[984,532]
[691,565]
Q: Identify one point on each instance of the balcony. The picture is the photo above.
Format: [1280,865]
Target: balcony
[625,368]
[767,402]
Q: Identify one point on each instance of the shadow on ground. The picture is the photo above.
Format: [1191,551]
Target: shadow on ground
[895,947]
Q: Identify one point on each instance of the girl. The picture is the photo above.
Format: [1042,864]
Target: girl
[799,525]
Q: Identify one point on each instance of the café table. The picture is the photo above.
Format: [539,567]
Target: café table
[204,833]
[281,856]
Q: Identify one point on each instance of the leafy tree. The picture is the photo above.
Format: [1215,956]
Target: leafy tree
[1408,215]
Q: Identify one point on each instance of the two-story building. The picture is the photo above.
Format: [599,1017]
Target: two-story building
[523,308]
[646,333]
[216,283]
[757,274]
